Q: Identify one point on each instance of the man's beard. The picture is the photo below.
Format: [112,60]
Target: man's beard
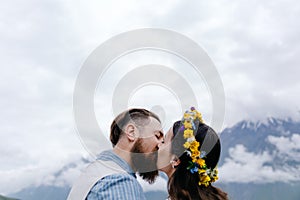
[144,163]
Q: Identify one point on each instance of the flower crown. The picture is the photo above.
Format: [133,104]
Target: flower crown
[206,175]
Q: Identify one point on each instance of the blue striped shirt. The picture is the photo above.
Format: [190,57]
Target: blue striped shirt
[122,186]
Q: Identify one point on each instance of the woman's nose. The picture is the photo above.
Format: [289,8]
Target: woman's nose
[161,143]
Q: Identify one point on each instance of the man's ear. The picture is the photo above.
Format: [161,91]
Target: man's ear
[131,132]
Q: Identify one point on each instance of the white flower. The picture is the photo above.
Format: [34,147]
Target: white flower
[191,139]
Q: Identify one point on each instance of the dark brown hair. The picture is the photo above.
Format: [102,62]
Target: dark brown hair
[183,185]
[138,115]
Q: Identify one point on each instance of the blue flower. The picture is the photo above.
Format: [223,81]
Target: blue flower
[194,169]
[202,154]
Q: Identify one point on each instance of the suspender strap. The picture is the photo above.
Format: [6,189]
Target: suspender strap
[91,175]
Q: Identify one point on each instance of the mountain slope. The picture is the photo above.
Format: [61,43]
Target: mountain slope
[6,198]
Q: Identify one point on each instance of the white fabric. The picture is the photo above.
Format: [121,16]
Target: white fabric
[94,172]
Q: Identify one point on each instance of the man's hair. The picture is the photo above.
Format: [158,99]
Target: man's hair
[137,115]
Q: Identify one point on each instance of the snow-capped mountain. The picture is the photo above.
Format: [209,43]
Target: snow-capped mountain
[261,160]
[274,136]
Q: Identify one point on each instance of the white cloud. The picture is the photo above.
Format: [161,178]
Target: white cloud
[288,147]
[65,177]
[243,166]
[160,184]
[42,172]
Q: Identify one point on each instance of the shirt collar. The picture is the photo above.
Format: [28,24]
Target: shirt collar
[109,155]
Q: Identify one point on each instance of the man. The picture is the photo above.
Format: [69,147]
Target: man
[136,136]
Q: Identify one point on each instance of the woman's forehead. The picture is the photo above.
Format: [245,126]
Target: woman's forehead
[169,134]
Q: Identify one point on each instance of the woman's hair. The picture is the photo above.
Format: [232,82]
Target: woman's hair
[183,185]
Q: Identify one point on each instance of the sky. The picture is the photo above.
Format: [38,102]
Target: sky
[44,44]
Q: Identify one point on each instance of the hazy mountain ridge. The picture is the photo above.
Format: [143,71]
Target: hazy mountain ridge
[6,198]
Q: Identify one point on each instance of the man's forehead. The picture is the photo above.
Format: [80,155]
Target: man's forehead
[155,124]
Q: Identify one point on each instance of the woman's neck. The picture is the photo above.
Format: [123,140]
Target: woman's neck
[169,170]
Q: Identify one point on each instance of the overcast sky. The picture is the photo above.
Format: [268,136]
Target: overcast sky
[254,45]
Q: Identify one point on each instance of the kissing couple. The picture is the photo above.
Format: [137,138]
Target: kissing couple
[188,153]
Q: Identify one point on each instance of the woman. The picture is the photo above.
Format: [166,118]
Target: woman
[189,157]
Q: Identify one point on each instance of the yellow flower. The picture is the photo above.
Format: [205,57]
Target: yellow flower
[196,143]
[200,171]
[204,183]
[187,145]
[194,146]
[199,116]
[187,124]
[213,179]
[214,175]
[201,162]
[188,133]
[204,180]
[186,115]
[195,155]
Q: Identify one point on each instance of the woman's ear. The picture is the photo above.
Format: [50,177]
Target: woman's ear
[131,132]
[175,161]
